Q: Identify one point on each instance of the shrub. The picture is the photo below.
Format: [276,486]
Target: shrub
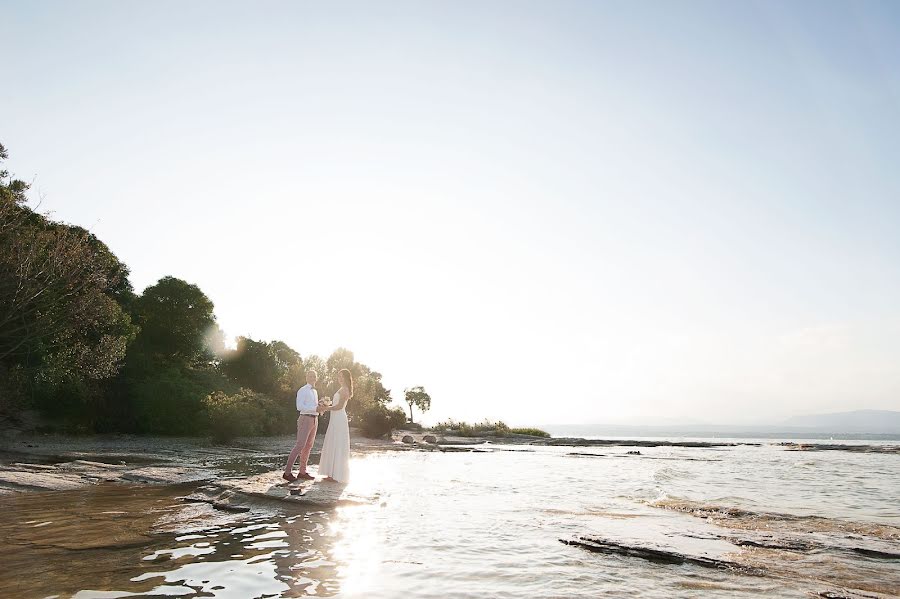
[464,429]
[168,402]
[244,414]
[532,432]
[376,420]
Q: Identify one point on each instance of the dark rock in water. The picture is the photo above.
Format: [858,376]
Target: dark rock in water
[876,553]
[472,441]
[790,446]
[633,452]
[782,544]
[655,554]
[430,439]
[408,439]
[579,442]
[220,499]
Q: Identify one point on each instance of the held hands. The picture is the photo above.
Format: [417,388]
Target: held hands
[324,404]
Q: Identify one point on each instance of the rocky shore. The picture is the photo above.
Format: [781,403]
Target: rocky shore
[137,487]
[34,462]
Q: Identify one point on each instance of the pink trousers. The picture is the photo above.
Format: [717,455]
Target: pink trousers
[306,436]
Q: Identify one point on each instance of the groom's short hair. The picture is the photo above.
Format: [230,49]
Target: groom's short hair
[309,372]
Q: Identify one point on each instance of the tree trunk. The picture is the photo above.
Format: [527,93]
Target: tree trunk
[410,413]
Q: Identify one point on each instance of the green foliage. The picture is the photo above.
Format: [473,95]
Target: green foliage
[175,319]
[417,396]
[62,326]
[258,366]
[12,191]
[377,420]
[485,428]
[244,414]
[531,432]
[368,409]
[168,400]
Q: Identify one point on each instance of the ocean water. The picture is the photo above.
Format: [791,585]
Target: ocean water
[490,523]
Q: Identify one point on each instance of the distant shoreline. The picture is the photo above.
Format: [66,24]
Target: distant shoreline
[606,432]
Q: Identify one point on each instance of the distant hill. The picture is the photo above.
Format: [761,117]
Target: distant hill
[859,424]
[857,421]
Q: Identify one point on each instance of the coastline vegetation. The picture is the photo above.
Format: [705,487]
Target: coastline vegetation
[80,347]
[485,428]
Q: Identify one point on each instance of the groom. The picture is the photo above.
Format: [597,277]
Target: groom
[307,423]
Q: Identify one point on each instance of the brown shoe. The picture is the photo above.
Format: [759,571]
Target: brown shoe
[306,476]
[289,477]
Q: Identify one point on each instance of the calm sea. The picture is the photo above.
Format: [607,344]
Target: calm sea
[490,524]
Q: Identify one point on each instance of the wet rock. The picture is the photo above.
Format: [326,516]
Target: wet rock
[44,481]
[462,441]
[221,499]
[655,554]
[579,442]
[633,452]
[408,439]
[876,553]
[790,446]
[36,467]
[848,594]
[769,543]
[240,492]
[430,439]
[166,474]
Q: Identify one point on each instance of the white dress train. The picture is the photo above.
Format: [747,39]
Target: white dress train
[335,457]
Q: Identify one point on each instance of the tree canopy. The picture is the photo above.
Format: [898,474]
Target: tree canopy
[175,317]
[62,296]
[416,396]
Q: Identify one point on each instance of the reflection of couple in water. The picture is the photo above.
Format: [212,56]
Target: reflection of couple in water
[334,463]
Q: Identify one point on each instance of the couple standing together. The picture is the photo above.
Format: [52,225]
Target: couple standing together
[334,463]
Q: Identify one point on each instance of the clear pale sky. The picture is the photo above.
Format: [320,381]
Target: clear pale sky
[545,212]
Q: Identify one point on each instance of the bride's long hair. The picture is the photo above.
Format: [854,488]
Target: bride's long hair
[345,377]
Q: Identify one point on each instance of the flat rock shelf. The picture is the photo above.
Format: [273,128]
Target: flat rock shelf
[237,494]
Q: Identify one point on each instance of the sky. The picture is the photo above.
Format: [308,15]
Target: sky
[543,212]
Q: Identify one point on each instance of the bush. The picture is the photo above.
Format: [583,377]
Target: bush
[376,420]
[532,432]
[244,414]
[464,429]
[168,402]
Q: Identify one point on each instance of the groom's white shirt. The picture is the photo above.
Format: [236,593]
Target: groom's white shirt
[307,400]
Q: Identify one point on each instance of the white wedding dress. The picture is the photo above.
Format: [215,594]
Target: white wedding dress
[335,457]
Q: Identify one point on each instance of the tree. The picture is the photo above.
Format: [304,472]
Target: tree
[271,368]
[417,396]
[291,367]
[175,318]
[59,290]
[62,291]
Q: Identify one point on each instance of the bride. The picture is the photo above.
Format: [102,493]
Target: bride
[334,462]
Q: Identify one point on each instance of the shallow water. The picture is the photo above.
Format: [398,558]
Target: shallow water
[488,524]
